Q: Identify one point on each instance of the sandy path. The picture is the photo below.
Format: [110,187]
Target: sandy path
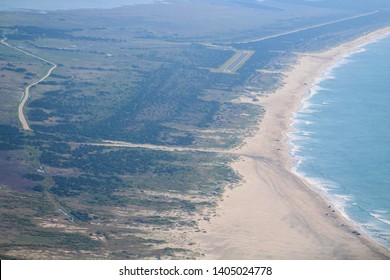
[274,214]
[22,117]
[111,143]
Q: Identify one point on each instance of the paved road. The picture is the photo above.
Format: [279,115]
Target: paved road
[308,28]
[234,64]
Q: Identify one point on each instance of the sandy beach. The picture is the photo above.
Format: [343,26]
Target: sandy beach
[274,214]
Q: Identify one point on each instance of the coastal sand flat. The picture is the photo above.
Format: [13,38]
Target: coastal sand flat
[274,214]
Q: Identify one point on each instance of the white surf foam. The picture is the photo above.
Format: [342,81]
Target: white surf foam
[380,218]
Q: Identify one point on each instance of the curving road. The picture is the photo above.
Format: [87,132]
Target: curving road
[22,117]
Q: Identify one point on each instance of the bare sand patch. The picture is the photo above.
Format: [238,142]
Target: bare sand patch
[274,214]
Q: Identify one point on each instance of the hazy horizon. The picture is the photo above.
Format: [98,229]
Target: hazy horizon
[67,5]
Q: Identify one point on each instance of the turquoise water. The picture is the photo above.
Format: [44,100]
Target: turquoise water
[341,138]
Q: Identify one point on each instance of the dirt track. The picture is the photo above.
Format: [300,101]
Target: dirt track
[26,95]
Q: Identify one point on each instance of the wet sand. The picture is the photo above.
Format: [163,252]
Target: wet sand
[274,214]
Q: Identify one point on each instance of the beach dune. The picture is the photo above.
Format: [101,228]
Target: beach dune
[274,214]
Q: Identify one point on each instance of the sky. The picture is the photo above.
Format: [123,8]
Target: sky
[67,4]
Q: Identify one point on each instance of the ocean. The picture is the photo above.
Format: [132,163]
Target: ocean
[340,138]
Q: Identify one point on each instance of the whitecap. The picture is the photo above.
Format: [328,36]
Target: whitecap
[380,218]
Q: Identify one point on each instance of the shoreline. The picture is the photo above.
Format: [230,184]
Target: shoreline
[334,198]
[274,213]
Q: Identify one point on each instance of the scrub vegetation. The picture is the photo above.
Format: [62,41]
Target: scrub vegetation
[139,74]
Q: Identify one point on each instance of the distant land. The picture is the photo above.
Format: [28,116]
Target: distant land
[124,129]
[47,5]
